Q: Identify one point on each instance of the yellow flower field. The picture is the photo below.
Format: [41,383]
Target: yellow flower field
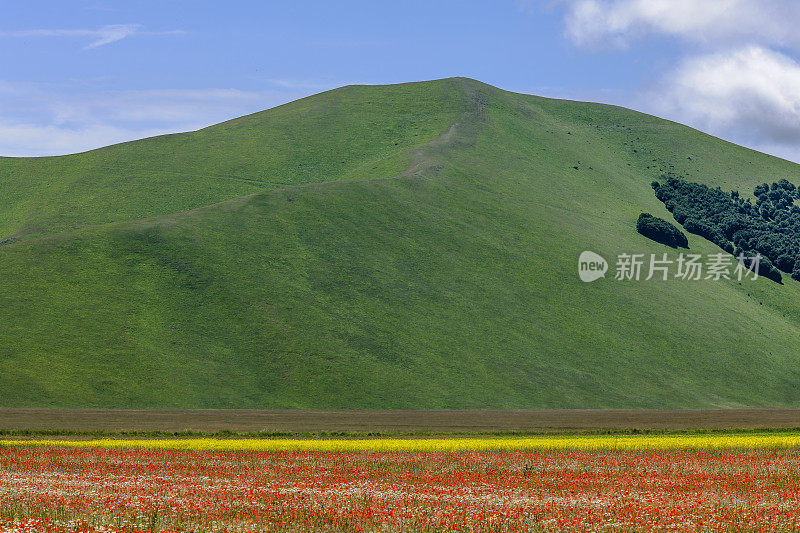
[453,444]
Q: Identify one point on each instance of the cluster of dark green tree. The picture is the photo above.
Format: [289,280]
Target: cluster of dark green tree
[661,231]
[770,226]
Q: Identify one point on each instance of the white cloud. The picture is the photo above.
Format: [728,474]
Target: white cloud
[773,22]
[21,140]
[42,120]
[189,106]
[101,36]
[731,81]
[751,94]
[288,83]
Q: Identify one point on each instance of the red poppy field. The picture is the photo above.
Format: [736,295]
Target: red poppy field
[103,489]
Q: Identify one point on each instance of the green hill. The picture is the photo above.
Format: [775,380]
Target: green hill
[406,246]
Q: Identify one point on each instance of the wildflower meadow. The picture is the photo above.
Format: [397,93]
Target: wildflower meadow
[689,483]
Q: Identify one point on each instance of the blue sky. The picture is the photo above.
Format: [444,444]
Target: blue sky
[76,75]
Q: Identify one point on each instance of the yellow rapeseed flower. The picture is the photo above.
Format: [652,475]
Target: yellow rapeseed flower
[453,444]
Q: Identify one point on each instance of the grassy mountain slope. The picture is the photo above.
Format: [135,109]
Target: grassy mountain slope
[452,283]
[348,133]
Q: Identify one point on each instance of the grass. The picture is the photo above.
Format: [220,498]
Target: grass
[350,133]
[450,285]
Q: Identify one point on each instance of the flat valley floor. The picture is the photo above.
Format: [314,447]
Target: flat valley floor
[391,422]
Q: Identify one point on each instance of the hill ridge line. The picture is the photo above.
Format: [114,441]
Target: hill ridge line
[443,140]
